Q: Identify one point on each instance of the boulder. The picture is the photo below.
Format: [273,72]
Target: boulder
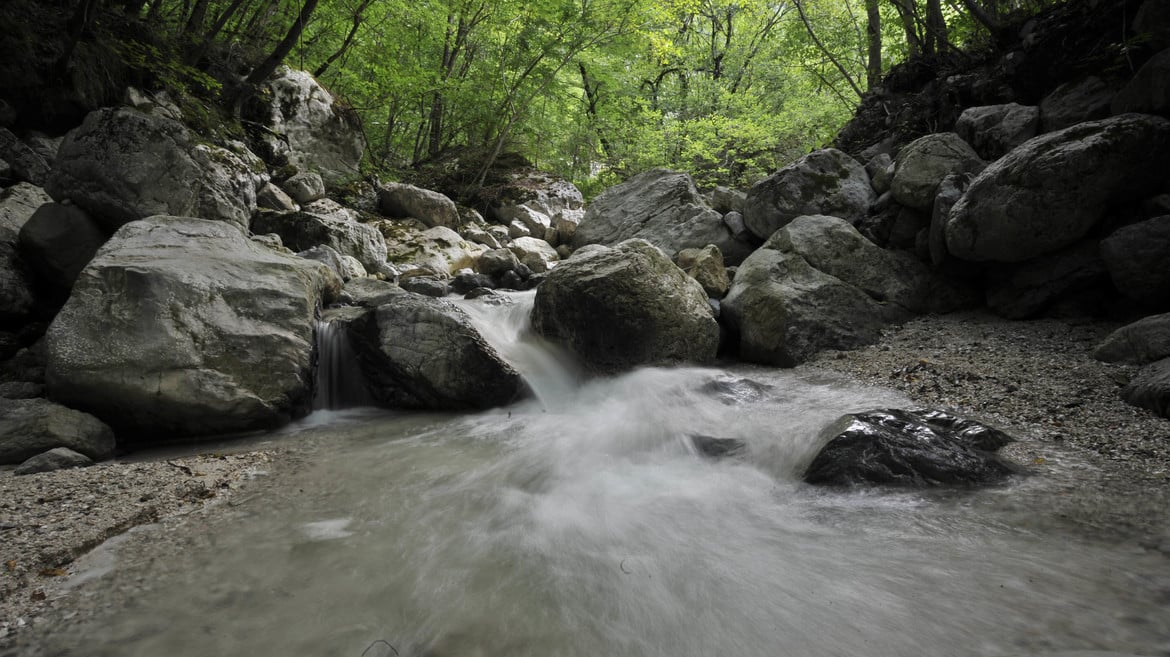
[537,222]
[418,352]
[327,256]
[822,182]
[1140,343]
[543,192]
[662,207]
[1048,193]
[60,458]
[428,286]
[271,197]
[31,426]
[1148,91]
[784,310]
[369,292]
[466,280]
[705,265]
[536,254]
[305,187]
[478,235]
[1075,102]
[17,204]
[305,126]
[400,201]
[184,327]
[27,165]
[16,292]
[915,449]
[881,172]
[352,268]
[57,242]
[925,162]
[1138,259]
[1075,275]
[1151,388]
[994,130]
[21,390]
[121,165]
[498,261]
[950,190]
[624,307]
[439,250]
[327,222]
[725,199]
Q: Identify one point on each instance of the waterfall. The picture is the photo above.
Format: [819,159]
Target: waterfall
[340,383]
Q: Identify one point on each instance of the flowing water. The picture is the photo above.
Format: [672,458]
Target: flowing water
[583,523]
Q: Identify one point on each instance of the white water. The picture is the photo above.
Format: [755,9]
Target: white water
[339,379]
[581,524]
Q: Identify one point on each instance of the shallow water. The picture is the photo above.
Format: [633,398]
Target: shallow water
[583,523]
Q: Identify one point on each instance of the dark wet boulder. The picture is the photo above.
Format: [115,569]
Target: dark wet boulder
[822,182]
[31,426]
[914,449]
[717,448]
[624,307]
[57,242]
[731,390]
[1151,388]
[60,458]
[1138,259]
[1142,342]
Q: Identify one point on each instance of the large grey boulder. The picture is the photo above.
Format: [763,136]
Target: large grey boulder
[121,165]
[57,242]
[784,310]
[626,306]
[306,127]
[419,352]
[27,165]
[994,130]
[823,182]
[305,187]
[439,250]
[923,163]
[326,222]
[1149,90]
[1151,388]
[1074,276]
[400,201]
[1138,258]
[17,204]
[184,327]
[536,254]
[1075,102]
[1048,193]
[1140,343]
[31,426]
[662,207]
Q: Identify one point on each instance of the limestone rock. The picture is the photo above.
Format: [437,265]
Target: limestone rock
[994,130]
[1138,258]
[439,250]
[31,426]
[823,182]
[534,253]
[705,265]
[184,327]
[305,187]
[925,162]
[271,197]
[327,222]
[400,200]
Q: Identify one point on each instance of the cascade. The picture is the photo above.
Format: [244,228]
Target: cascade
[339,378]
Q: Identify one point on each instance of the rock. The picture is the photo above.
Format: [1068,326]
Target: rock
[1140,343]
[480,236]
[908,448]
[465,281]
[27,165]
[352,268]
[184,327]
[738,227]
[732,391]
[624,307]
[44,146]
[1148,91]
[121,165]
[400,200]
[439,250]
[950,190]
[17,205]
[1138,259]
[784,311]
[271,241]
[6,173]
[21,390]
[31,426]
[535,221]
[516,228]
[1151,388]
[724,200]
[925,162]
[822,182]
[418,352]
[498,261]
[271,197]
[994,130]
[57,242]
[429,286]
[61,458]
[1152,22]
[327,256]
[662,207]
[1048,193]
[16,293]
[305,127]
[705,265]
[881,172]
[1075,102]
[370,292]
[536,254]
[543,192]
[305,187]
[327,222]
[1030,288]
[717,448]
[566,224]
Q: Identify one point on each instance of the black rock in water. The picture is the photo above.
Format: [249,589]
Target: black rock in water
[717,448]
[909,448]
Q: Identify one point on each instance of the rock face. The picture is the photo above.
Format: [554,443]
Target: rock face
[824,182]
[1049,192]
[908,448]
[31,426]
[627,306]
[57,242]
[184,327]
[306,127]
[1151,388]
[662,207]
[1138,258]
[121,165]
[327,222]
[925,162]
[418,352]
[1142,342]
[400,200]
[994,130]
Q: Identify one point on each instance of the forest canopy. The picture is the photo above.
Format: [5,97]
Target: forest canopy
[594,90]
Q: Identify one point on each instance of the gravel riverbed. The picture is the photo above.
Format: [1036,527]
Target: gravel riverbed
[1036,380]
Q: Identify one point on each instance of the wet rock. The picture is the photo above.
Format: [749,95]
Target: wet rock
[61,458]
[822,182]
[1151,388]
[910,449]
[305,187]
[57,242]
[994,130]
[717,448]
[400,200]
[1138,259]
[31,426]
[626,306]
[730,390]
[1142,342]
[925,162]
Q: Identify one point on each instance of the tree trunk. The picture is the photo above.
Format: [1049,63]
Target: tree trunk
[353,30]
[873,33]
[909,15]
[274,59]
[936,28]
[79,23]
[821,46]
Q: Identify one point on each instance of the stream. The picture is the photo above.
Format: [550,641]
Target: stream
[584,523]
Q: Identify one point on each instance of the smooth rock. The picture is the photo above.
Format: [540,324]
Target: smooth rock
[925,162]
[1138,259]
[31,426]
[60,458]
[1140,343]
[498,261]
[400,200]
[822,182]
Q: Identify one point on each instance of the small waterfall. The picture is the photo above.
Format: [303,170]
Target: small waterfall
[339,377]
